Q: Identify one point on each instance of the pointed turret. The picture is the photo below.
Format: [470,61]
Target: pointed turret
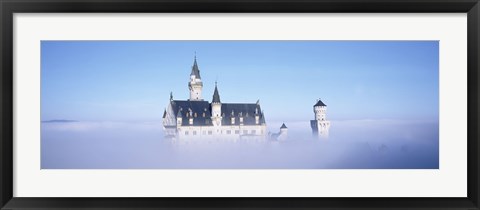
[283,126]
[216,96]
[217,114]
[195,85]
[195,70]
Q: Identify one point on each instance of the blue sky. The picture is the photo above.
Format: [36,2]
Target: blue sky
[131,80]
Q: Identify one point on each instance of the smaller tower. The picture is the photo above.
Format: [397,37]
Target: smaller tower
[283,133]
[195,84]
[216,108]
[320,126]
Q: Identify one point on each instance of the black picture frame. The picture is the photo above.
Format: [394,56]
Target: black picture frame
[9,7]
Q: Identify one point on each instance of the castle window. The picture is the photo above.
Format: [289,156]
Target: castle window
[209,132]
[186,132]
[254,131]
[237,131]
[194,132]
[204,132]
[229,132]
[245,132]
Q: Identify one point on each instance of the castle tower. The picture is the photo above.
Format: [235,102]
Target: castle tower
[320,125]
[216,108]
[283,133]
[195,85]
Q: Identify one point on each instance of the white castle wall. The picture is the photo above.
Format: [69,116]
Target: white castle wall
[322,124]
[247,133]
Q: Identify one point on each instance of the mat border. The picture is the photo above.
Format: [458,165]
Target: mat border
[9,7]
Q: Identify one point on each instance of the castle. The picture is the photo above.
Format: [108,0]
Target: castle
[196,119]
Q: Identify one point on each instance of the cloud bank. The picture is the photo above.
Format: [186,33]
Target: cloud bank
[355,144]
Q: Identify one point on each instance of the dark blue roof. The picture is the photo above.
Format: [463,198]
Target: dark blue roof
[199,107]
[247,111]
[319,103]
[283,126]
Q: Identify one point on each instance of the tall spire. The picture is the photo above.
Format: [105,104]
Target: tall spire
[216,96]
[195,84]
[195,70]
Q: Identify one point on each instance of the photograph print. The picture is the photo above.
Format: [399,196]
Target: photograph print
[239,104]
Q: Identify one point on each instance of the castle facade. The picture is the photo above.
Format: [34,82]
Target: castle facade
[198,119]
